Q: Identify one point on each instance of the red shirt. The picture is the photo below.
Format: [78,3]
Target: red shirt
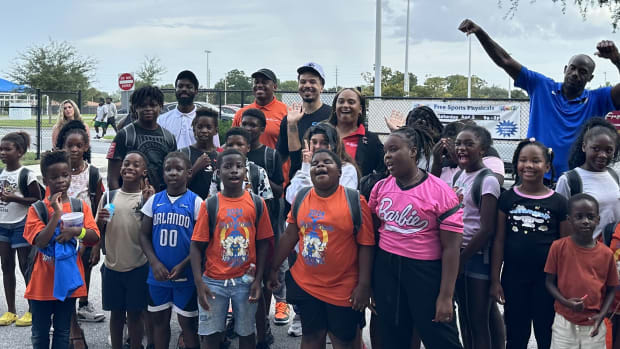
[350,142]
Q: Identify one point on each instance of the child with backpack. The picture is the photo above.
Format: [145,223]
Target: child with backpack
[125,268]
[167,226]
[86,185]
[57,274]
[330,281]
[478,190]
[228,251]
[530,218]
[145,136]
[595,150]
[256,179]
[417,260]
[582,277]
[203,153]
[18,190]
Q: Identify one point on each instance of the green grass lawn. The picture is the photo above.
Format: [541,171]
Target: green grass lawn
[6,122]
[28,159]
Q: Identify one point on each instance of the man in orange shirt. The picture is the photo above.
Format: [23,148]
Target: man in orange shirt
[264,85]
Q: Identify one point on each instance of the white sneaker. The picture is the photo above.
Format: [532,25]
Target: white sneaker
[294,329]
[88,314]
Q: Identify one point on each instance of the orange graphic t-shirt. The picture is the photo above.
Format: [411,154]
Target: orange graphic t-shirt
[327,265]
[41,283]
[233,248]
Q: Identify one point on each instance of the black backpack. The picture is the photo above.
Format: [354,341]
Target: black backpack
[353,202]
[213,206]
[22,182]
[93,179]
[131,138]
[576,185]
[368,182]
[476,189]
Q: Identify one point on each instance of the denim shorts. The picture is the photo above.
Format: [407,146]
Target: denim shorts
[233,291]
[13,233]
[476,268]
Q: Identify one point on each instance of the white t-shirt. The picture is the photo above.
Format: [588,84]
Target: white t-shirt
[12,212]
[471,212]
[111,110]
[147,209]
[603,188]
[102,112]
[180,125]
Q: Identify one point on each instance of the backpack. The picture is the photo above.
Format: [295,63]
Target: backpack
[368,182]
[476,189]
[41,211]
[213,206]
[353,202]
[93,180]
[608,232]
[22,182]
[270,159]
[576,185]
[131,138]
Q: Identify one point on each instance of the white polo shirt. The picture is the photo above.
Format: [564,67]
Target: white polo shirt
[180,125]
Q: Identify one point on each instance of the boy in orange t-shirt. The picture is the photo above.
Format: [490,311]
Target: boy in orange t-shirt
[40,290]
[581,276]
[239,240]
[330,281]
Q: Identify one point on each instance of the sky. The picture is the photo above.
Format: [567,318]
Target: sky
[284,34]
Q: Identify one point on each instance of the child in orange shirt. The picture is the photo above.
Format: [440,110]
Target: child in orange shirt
[237,237]
[581,276]
[43,288]
[330,281]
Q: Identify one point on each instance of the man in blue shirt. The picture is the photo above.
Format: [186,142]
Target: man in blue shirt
[557,109]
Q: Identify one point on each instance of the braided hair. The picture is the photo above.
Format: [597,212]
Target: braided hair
[420,138]
[73,127]
[426,116]
[593,127]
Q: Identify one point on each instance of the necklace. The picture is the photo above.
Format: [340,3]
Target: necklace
[81,168]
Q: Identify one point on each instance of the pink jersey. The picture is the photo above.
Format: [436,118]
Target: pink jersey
[412,217]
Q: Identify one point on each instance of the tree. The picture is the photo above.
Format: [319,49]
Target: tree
[234,80]
[150,72]
[288,85]
[392,82]
[584,6]
[54,66]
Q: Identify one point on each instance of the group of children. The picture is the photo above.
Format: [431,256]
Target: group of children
[194,233]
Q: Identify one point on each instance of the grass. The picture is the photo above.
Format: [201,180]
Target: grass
[6,122]
[28,159]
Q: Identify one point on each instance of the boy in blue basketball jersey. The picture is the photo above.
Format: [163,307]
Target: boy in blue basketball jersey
[167,227]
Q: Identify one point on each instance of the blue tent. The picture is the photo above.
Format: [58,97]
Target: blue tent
[7,86]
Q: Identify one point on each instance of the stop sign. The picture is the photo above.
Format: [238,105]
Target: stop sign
[125,81]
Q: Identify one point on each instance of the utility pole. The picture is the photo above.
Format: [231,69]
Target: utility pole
[378,50]
[469,69]
[208,73]
[336,78]
[406,85]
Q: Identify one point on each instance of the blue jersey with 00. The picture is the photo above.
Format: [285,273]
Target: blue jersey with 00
[173,225]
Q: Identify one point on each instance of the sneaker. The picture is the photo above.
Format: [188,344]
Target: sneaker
[25,320]
[269,339]
[282,314]
[88,314]
[7,318]
[295,329]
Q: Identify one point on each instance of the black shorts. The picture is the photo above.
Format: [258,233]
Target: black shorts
[111,121]
[316,315]
[125,291]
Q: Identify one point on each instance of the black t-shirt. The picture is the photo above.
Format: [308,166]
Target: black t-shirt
[201,180]
[532,224]
[154,144]
[307,121]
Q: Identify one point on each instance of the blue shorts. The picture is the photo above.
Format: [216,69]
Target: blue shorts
[233,291]
[13,233]
[476,268]
[182,300]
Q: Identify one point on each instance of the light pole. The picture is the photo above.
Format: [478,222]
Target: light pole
[208,73]
[378,50]
[469,69]
[406,85]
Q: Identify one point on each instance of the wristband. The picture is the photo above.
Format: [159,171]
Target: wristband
[82,234]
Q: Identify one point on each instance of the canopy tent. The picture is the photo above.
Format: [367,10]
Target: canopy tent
[7,86]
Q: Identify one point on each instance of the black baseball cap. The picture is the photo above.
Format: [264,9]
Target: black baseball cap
[186,74]
[266,73]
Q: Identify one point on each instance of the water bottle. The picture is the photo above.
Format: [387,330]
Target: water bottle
[249,275]
[110,208]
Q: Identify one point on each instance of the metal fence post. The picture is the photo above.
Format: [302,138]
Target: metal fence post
[79,99]
[38,124]
[220,102]
[242,98]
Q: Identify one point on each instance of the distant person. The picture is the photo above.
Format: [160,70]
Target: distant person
[101,118]
[311,81]
[179,120]
[68,111]
[111,113]
[145,136]
[558,106]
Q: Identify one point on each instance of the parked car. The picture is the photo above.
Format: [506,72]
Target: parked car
[226,113]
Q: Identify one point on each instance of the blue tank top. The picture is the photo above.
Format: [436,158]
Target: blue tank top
[173,225]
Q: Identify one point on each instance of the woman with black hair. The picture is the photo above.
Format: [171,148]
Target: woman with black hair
[348,116]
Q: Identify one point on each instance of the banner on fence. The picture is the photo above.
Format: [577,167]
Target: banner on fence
[501,120]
